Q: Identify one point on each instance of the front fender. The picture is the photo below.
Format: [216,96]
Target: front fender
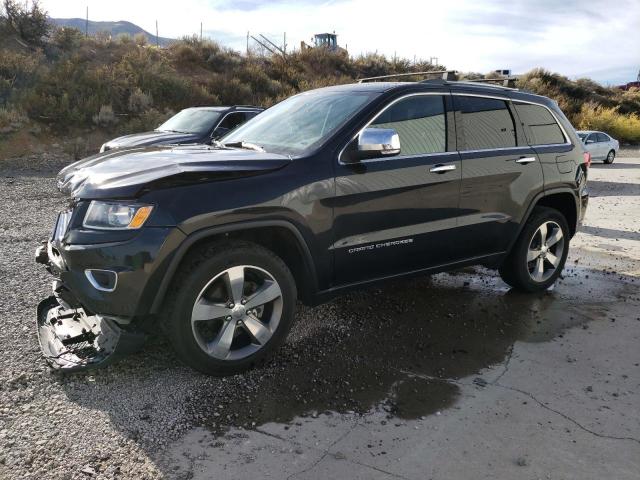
[211,232]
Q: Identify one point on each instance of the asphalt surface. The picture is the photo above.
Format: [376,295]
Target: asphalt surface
[449,376]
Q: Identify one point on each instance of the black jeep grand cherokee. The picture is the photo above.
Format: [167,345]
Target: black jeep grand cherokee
[329,190]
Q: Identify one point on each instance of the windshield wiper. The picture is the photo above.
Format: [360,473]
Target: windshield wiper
[245,145]
[172,131]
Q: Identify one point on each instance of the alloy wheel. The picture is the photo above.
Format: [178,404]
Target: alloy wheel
[545,251]
[237,312]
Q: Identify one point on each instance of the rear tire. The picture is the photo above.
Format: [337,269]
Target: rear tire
[611,156]
[538,256]
[231,306]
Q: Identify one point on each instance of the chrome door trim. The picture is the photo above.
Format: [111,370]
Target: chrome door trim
[395,157]
[522,147]
[463,94]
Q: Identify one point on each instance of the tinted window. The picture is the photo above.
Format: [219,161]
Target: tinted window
[486,122]
[592,138]
[602,137]
[420,123]
[232,120]
[542,127]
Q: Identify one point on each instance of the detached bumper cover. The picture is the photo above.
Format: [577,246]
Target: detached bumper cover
[71,340]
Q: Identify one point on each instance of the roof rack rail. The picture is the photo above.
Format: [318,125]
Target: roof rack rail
[446,75]
[507,82]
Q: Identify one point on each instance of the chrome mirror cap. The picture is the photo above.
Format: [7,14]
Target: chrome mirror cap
[375,142]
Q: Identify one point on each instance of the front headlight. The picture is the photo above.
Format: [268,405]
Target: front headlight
[116,216]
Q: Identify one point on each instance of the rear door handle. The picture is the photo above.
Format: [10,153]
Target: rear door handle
[525,160]
[442,168]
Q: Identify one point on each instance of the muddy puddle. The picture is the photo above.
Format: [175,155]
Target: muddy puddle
[400,349]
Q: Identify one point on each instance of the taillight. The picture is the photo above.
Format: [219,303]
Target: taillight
[587,159]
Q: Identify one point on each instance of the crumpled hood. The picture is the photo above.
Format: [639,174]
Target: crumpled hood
[124,173]
[151,138]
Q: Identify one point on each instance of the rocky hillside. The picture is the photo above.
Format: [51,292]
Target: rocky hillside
[57,81]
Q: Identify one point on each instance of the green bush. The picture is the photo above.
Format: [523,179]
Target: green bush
[67,38]
[29,23]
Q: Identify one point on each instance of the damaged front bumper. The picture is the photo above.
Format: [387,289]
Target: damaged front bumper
[71,340]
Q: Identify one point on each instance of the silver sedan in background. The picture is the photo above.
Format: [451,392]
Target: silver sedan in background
[600,145]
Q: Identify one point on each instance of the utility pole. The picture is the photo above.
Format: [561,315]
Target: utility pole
[86,24]
[247,43]
[284,43]
[201,31]
[157,39]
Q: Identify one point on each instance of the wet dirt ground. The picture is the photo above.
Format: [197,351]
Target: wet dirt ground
[449,376]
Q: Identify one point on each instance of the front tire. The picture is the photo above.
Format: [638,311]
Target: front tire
[231,306]
[611,156]
[538,256]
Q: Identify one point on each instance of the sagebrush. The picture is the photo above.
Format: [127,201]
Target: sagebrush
[68,81]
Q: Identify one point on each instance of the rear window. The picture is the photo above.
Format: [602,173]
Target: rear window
[540,124]
[487,123]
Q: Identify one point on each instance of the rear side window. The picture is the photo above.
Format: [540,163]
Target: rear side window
[487,123]
[420,123]
[541,125]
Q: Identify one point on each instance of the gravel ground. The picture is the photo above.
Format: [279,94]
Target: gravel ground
[400,355]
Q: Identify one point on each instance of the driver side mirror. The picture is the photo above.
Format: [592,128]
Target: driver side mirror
[375,143]
[589,141]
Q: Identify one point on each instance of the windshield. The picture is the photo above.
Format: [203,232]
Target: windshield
[299,123]
[191,120]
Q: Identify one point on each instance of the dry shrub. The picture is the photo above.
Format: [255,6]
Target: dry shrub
[139,102]
[624,127]
[73,81]
[105,117]
[11,120]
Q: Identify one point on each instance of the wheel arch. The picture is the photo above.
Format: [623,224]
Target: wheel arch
[565,203]
[279,236]
[561,199]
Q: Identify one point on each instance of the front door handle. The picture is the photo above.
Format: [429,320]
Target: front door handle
[525,160]
[442,168]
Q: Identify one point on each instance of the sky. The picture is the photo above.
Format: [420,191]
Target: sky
[599,39]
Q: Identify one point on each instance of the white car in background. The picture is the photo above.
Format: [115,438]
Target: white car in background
[600,145]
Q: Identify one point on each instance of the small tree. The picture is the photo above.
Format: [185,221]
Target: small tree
[31,24]
[67,38]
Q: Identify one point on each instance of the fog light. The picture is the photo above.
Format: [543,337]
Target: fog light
[103,280]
